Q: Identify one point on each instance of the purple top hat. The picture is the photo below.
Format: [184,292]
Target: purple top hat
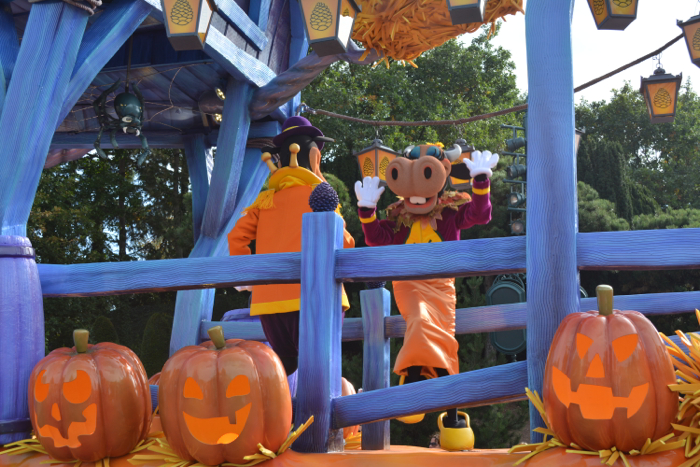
[297,126]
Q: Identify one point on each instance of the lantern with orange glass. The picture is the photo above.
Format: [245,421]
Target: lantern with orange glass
[691,32]
[466,11]
[373,160]
[613,14]
[187,22]
[661,95]
[329,24]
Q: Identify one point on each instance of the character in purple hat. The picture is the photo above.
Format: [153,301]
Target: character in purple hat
[274,222]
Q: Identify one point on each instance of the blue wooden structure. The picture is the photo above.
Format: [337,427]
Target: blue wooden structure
[256,51]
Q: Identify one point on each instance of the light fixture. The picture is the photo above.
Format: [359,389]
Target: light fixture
[517,227]
[514,144]
[218,118]
[515,199]
[329,24]
[613,14]
[374,159]
[187,22]
[660,92]
[220,93]
[515,171]
[691,31]
[458,183]
[466,11]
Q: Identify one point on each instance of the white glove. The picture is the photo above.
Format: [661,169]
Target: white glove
[368,192]
[244,288]
[481,163]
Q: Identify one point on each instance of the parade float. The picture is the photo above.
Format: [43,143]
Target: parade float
[227,74]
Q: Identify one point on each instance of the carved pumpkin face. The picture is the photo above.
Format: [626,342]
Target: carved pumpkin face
[89,405]
[216,405]
[606,381]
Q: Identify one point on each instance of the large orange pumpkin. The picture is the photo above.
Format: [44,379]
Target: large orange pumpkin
[89,402]
[606,379]
[218,400]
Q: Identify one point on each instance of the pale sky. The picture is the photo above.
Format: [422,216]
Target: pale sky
[599,52]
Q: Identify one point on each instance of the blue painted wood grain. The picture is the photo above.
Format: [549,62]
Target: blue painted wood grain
[298,48]
[9,48]
[244,24]
[235,61]
[35,94]
[154,395]
[94,279]
[552,215]
[486,256]
[502,383]
[21,333]
[639,249]
[230,154]
[259,12]
[200,162]
[235,330]
[104,37]
[376,365]
[319,333]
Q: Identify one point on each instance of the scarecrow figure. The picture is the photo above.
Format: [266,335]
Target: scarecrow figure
[427,214]
[274,222]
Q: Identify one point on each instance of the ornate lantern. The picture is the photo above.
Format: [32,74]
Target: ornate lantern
[373,160]
[466,11]
[458,183]
[613,14]
[691,31]
[661,95]
[187,22]
[329,24]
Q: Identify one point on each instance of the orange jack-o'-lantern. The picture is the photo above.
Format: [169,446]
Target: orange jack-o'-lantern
[218,400]
[89,402]
[606,379]
[347,389]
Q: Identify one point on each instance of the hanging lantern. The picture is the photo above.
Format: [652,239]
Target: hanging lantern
[661,95]
[374,160]
[187,22]
[458,183]
[329,24]
[691,30]
[466,11]
[613,14]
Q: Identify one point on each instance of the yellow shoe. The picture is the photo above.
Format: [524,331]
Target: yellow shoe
[409,419]
[456,439]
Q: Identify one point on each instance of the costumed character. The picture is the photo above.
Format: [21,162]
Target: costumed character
[274,222]
[427,214]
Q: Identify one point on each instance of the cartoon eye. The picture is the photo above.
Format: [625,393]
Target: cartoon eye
[78,390]
[41,389]
[127,119]
[239,386]
[192,390]
[624,346]
[415,153]
[583,343]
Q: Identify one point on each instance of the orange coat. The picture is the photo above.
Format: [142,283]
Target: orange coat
[276,228]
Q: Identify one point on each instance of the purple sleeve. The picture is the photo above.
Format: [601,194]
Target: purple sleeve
[478,210]
[377,233]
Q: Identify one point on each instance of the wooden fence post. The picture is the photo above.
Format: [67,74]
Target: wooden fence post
[320,330]
[552,223]
[376,305]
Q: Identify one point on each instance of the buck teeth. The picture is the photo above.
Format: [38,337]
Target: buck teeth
[417,200]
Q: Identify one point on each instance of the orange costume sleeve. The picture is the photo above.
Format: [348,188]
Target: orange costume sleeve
[244,232]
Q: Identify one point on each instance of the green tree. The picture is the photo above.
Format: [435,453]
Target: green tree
[103,331]
[155,347]
[596,214]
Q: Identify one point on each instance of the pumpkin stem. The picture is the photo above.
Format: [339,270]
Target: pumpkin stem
[80,338]
[216,334]
[605,299]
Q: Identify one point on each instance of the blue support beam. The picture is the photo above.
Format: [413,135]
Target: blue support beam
[318,376]
[33,102]
[244,24]
[9,48]
[200,162]
[259,12]
[376,365]
[298,48]
[235,61]
[552,275]
[104,38]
